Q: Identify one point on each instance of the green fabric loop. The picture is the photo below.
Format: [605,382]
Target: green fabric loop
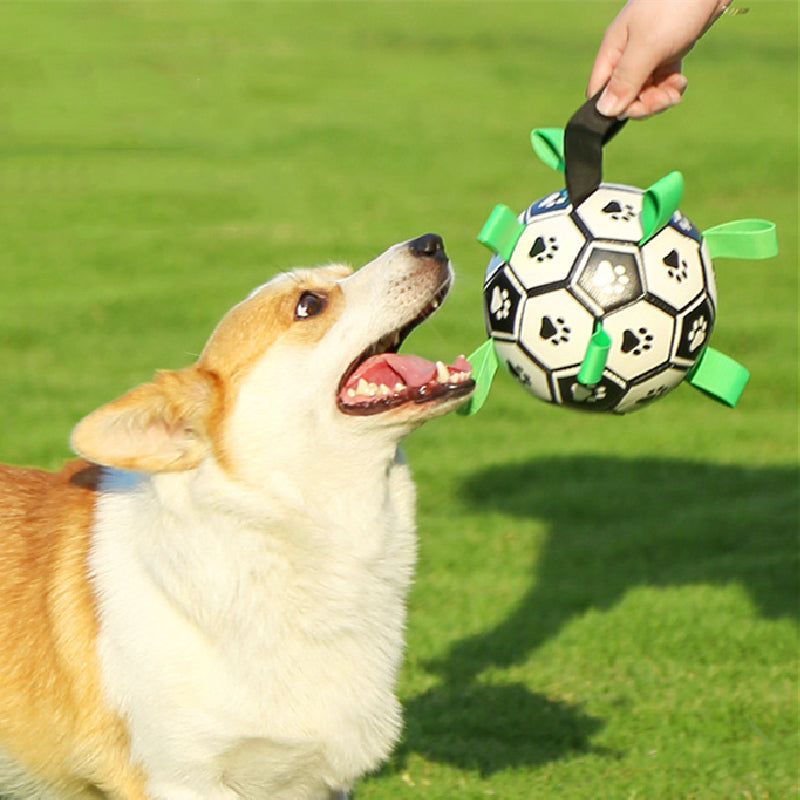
[548,144]
[594,362]
[501,231]
[719,376]
[659,202]
[742,238]
[484,365]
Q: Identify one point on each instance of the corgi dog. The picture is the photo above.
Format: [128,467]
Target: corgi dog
[209,604]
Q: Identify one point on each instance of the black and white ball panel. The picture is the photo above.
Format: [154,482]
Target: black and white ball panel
[555,329]
[609,276]
[612,212]
[503,296]
[673,268]
[641,340]
[546,251]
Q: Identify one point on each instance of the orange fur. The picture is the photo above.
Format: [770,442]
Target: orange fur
[250,327]
[52,713]
[171,423]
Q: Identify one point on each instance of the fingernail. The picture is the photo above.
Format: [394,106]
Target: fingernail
[609,104]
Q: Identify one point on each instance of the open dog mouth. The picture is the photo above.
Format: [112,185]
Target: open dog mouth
[381,378]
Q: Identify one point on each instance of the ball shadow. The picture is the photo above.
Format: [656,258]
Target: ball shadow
[486,728]
[614,524]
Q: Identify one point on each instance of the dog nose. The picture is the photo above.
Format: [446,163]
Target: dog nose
[428,246]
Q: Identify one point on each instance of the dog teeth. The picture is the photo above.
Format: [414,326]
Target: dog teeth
[366,388]
[444,375]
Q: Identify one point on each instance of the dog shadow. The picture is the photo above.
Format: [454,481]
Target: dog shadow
[614,524]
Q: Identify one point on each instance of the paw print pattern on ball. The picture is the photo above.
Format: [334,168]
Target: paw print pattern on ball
[587,394]
[610,277]
[695,326]
[612,212]
[642,335]
[602,396]
[552,202]
[554,331]
[673,264]
[619,211]
[502,298]
[697,333]
[636,342]
[544,249]
[519,373]
[683,224]
[677,267]
[500,305]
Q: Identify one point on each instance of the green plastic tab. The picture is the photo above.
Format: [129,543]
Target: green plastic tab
[594,362]
[501,231]
[743,238]
[484,365]
[659,202]
[719,376]
[548,144]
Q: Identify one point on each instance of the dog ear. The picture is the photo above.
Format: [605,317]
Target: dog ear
[161,426]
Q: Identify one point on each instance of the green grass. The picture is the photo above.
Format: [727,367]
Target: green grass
[605,607]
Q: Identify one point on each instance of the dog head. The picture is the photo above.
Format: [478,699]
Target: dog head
[308,363]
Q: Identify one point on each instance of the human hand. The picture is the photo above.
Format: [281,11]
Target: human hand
[639,60]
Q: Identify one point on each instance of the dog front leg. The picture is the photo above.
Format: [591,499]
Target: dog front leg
[257,769]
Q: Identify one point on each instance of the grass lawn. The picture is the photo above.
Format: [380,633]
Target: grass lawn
[606,607]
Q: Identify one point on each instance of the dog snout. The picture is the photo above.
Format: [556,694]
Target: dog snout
[428,246]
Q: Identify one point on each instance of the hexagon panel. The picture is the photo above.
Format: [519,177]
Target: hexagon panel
[532,377]
[693,329]
[502,299]
[546,250]
[555,201]
[673,270]
[609,276]
[603,396]
[685,226]
[651,389]
[555,329]
[641,339]
[612,212]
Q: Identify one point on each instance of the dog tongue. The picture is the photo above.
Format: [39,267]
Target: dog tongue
[389,368]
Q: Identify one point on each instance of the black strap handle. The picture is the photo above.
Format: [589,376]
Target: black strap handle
[584,136]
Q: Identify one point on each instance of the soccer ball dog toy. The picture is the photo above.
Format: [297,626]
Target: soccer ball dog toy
[601,296]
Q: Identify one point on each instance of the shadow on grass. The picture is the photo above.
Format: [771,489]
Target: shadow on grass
[614,524]
[487,728]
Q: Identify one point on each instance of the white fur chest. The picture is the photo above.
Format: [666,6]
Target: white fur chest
[252,634]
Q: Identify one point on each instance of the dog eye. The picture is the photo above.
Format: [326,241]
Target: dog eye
[309,305]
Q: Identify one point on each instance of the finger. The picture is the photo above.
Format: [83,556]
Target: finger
[611,48]
[607,59]
[626,81]
[653,100]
